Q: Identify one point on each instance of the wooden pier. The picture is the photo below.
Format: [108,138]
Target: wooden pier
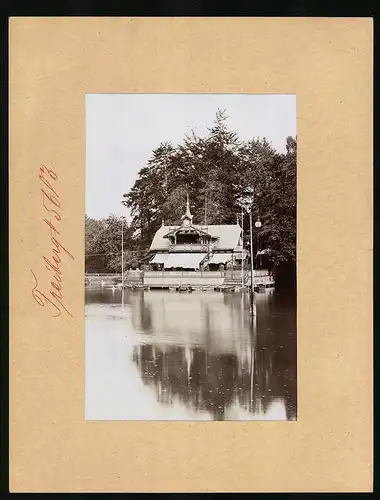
[185,280]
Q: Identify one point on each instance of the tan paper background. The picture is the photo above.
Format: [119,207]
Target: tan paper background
[327,63]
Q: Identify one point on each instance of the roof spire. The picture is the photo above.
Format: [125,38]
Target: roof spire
[187,213]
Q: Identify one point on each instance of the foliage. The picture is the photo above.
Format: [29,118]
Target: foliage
[103,245]
[217,171]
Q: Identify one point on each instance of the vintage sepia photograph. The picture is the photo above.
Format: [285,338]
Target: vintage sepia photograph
[190,257]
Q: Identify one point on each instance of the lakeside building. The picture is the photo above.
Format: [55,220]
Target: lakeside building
[202,257]
[194,247]
[194,256]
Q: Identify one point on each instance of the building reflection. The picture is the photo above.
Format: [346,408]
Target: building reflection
[206,351]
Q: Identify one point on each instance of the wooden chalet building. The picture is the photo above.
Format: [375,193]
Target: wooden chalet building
[191,247]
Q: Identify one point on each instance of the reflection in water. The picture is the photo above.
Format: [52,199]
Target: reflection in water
[202,353]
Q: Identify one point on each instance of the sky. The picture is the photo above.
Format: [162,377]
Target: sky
[122,130]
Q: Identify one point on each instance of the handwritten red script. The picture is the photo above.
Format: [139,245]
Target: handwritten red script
[54,297]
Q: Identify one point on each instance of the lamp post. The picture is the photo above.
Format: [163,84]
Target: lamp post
[257,226]
[247,205]
[251,253]
[122,251]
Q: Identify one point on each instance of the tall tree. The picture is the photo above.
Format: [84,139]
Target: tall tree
[216,171]
[103,245]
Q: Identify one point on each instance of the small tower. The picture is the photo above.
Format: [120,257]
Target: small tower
[187,219]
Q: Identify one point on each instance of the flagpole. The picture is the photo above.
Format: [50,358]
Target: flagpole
[122,251]
[253,309]
[242,248]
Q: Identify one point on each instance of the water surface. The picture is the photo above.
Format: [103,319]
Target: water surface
[160,355]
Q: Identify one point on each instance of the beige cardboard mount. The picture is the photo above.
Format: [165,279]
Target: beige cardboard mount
[327,63]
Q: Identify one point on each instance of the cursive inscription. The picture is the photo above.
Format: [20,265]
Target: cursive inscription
[53,298]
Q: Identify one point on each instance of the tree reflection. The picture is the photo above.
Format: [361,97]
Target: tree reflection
[250,375]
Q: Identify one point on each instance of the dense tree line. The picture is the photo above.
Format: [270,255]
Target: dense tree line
[217,171]
[103,245]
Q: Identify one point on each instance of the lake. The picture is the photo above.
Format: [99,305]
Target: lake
[160,355]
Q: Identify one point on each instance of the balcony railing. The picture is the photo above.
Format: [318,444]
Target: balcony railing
[189,247]
[225,273]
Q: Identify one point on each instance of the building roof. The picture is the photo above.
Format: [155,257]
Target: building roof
[227,234]
[187,229]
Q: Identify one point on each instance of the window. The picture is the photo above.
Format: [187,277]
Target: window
[188,238]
